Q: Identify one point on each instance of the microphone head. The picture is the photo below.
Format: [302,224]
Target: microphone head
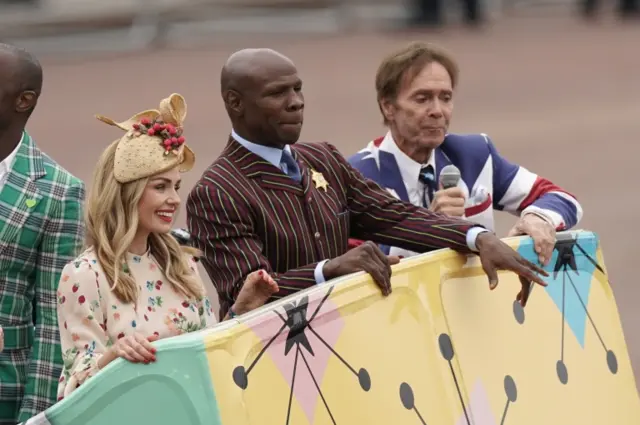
[449,176]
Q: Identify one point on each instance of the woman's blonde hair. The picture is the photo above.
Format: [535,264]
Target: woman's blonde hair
[111,225]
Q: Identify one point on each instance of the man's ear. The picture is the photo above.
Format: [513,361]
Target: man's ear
[26,101]
[387,108]
[234,102]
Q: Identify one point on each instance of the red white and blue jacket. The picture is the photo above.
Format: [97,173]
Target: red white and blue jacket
[506,186]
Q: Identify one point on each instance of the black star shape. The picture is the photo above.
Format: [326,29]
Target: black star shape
[297,323]
[566,256]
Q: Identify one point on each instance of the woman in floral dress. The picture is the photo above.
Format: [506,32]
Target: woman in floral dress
[135,284]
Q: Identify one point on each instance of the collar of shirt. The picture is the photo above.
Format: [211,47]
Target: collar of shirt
[5,165]
[272,155]
[409,169]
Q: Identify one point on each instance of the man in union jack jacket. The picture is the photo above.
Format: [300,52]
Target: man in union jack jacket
[415,88]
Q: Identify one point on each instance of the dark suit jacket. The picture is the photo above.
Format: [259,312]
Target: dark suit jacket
[245,215]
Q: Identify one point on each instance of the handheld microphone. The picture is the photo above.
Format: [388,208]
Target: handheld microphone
[449,176]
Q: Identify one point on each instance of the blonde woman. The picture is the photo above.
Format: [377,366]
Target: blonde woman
[135,284]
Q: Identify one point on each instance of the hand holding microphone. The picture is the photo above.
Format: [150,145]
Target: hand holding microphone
[449,200]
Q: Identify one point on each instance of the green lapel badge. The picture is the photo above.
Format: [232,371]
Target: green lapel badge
[31,203]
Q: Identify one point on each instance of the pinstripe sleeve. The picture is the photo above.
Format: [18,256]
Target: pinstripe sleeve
[222,229]
[379,217]
[61,242]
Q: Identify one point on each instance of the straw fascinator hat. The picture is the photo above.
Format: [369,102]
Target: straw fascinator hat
[153,142]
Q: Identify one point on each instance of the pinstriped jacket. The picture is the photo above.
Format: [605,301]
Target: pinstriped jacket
[245,214]
[41,229]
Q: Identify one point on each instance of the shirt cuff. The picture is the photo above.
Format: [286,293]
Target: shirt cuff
[551,217]
[318,272]
[472,235]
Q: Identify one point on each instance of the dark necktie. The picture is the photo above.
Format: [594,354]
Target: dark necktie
[289,166]
[428,178]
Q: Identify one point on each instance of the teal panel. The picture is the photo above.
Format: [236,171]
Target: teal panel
[175,390]
[572,266]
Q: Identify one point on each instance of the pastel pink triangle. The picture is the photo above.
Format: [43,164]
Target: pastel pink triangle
[479,407]
[328,324]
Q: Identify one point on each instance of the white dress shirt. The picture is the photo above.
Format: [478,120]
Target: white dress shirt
[410,171]
[7,163]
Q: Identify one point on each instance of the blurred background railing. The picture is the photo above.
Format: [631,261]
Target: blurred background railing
[148,20]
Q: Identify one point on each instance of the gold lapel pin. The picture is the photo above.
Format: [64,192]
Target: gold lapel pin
[319,180]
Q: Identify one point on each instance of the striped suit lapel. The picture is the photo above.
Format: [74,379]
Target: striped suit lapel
[265,174]
[19,195]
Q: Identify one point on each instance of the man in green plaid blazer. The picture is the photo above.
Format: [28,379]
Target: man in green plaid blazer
[41,229]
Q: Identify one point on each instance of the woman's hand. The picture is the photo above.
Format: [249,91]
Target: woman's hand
[135,348]
[258,287]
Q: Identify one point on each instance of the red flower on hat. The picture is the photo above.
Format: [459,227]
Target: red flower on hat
[170,135]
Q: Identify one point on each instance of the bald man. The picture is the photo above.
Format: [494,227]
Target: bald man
[41,229]
[271,203]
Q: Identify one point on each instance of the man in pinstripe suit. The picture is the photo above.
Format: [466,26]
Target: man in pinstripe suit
[41,229]
[269,202]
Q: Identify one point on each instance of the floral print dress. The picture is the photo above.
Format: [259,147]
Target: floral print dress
[91,318]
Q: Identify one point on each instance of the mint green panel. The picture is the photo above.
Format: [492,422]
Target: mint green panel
[176,390]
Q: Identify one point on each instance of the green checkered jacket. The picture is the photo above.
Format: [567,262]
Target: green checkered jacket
[41,229]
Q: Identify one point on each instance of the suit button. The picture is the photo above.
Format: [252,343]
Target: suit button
[317,235]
